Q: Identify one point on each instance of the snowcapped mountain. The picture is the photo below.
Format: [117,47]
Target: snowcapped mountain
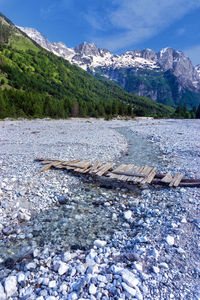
[197,67]
[125,69]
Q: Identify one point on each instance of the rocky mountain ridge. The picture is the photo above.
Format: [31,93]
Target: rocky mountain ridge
[126,69]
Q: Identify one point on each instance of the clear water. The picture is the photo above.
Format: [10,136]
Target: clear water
[140,152]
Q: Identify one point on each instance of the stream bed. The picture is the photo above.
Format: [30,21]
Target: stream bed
[90,212]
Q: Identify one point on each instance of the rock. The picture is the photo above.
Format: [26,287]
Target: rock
[99,243]
[170,240]
[63,268]
[63,200]
[36,252]
[138,266]
[92,289]
[180,250]
[197,223]
[155,269]
[72,296]
[52,284]
[138,295]
[21,277]
[2,292]
[31,266]
[116,269]
[143,239]
[154,253]
[129,289]
[10,285]
[129,278]
[66,256]
[114,217]
[45,281]
[128,215]
[1,227]
[63,287]
[164,265]
[50,298]
[92,269]
[23,216]
[8,230]
[102,278]
[9,263]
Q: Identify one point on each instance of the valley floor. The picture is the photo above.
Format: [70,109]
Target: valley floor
[62,238]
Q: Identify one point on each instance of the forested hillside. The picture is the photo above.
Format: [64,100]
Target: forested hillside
[36,83]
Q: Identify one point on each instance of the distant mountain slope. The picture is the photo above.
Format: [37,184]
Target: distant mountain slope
[35,82]
[166,77]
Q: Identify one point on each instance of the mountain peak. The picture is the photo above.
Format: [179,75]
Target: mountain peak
[87,49]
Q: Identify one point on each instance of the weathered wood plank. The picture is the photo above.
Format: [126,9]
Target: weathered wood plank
[54,164]
[133,169]
[151,175]
[102,170]
[176,180]
[127,168]
[83,167]
[138,179]
[147,170]
[65,163]
[94,168]
[167,178]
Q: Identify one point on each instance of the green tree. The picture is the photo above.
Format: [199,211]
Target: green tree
[198,112]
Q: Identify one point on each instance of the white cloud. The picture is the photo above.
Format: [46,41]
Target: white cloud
[138,20]
[194,54]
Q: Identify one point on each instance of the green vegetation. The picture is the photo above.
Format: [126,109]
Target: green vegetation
[182,112]
[36,83]
[162,85]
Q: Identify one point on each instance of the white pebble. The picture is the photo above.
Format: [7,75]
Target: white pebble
[170,240]
[11,285]
[92,289]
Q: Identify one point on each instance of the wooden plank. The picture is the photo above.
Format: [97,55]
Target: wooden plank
[95,167]
[83,168]
[176,180]
[44,162]
[137,179]
[54,164]
[147,170]
[167,178]
[66,163]
[134,169]
[151,175]
[102,170]
[126,169]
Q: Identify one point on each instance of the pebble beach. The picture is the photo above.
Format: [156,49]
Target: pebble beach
[65,238]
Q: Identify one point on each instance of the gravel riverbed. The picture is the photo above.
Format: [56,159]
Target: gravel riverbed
[64,238]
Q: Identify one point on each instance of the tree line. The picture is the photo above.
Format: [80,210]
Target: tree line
[181,112]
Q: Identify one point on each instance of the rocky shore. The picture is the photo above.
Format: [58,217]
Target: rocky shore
[62,238]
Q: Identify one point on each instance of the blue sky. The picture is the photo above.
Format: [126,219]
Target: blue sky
[118,25]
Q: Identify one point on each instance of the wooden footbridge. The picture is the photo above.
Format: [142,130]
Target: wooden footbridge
[125,175]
